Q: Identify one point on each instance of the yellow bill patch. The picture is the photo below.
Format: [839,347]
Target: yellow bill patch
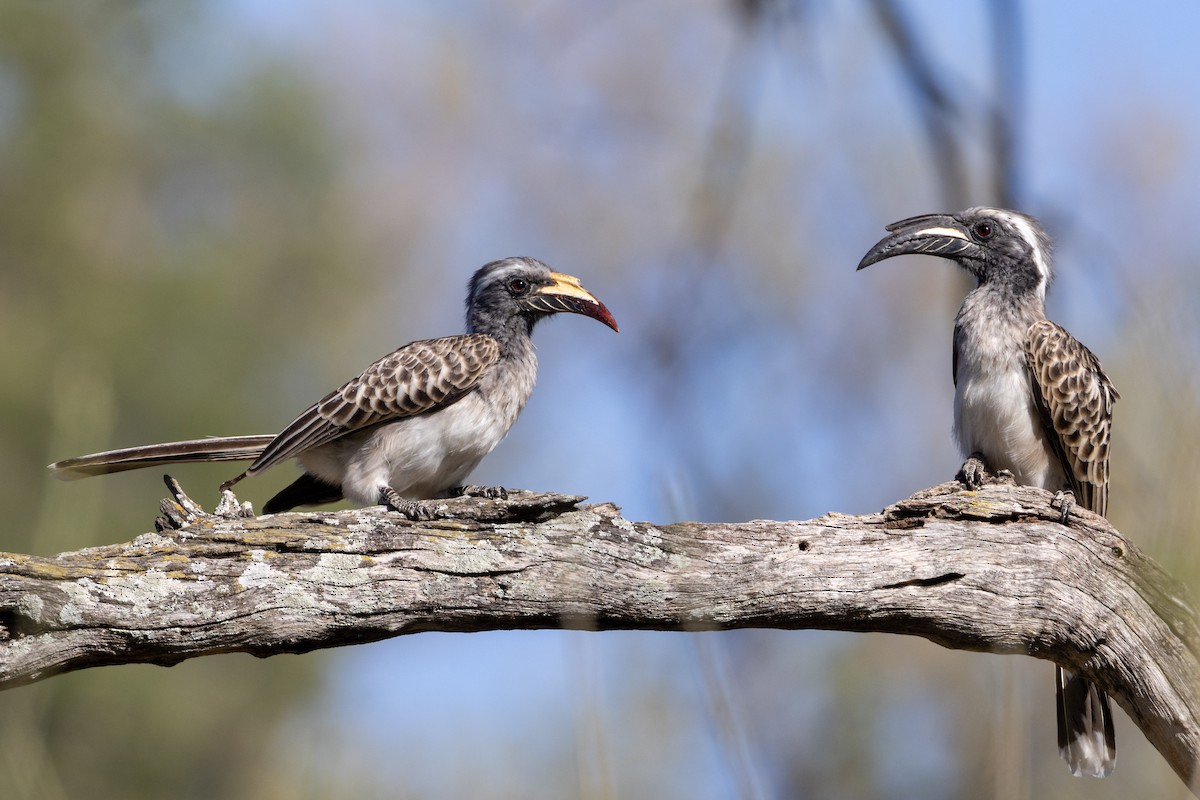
[567,286]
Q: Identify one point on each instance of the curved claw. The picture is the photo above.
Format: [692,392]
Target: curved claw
[973,472]
[1064,501]
[412,509]
[488,492]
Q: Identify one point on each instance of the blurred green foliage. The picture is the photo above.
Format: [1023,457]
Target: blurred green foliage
[141,232]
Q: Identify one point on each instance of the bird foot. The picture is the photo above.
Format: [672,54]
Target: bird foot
[415,510]
[1064,501]
[489,492]
[973,473]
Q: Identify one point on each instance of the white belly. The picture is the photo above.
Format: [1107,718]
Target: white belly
[420,457]
[994,414]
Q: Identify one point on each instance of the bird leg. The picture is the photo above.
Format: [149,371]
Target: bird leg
[389,498]
[1064,501]
[489,492]
[973,472]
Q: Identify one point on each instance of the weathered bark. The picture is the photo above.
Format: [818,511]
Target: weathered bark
[988,570]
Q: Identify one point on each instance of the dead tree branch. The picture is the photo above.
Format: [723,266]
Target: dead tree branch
[988,570]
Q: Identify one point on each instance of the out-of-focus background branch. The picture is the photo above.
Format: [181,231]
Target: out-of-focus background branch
[278,195]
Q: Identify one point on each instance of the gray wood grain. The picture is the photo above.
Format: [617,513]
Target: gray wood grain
[988,570]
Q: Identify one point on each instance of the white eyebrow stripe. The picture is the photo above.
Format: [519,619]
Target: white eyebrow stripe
[952,232]
[1026,232]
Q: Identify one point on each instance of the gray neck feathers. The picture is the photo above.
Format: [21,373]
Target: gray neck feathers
[1003,303]
[512,331]
[507,385]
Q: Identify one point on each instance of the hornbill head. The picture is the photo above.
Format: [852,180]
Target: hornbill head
[995,245]
[525,288]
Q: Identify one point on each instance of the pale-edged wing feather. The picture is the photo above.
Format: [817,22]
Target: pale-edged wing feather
[1076,401]
[419,377]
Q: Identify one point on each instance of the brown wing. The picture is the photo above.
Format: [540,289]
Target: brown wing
[419,377]
[1076,400]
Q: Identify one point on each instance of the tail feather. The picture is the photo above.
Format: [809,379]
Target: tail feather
[216,448]
[1085,726]
[307,490]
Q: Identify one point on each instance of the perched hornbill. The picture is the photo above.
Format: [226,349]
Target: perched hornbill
[1029,398]
[415,423]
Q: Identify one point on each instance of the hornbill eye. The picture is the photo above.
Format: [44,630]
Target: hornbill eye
[983,230]
[518,286]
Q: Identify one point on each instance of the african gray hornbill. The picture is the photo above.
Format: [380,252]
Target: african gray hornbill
[415,423]
[1029,398]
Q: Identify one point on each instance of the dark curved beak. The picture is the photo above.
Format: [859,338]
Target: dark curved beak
[566,293]
[931,234]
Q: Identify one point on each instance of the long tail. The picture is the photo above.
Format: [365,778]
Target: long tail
[217,448]
[1085,726]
